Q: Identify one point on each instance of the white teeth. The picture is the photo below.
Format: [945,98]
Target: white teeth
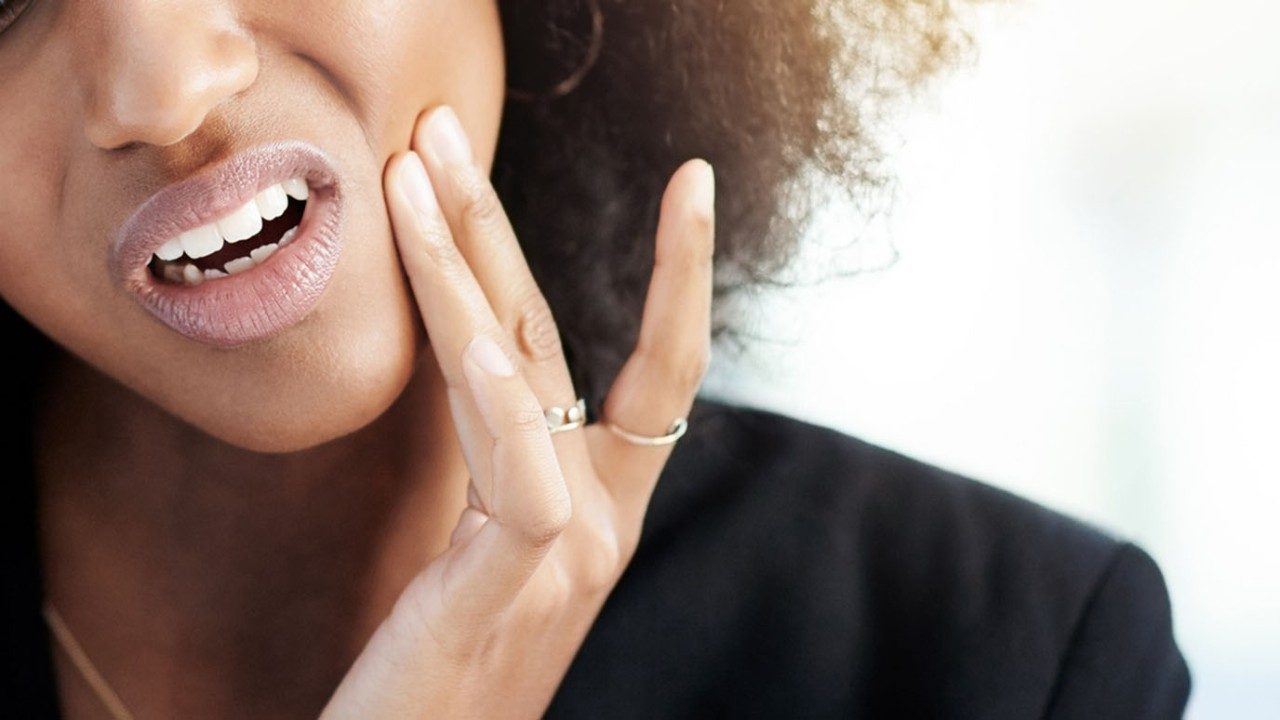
[272,202]
[296,188]
[201,241]
[262,253]
[192,275]
[239,265]
[171,250]
[213,274]
[241,224]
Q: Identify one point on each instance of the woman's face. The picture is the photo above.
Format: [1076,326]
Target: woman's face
[104,103]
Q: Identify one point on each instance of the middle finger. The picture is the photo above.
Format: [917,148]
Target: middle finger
[455,309]
[484,236]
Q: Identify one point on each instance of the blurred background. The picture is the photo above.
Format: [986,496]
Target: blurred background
[1083,304]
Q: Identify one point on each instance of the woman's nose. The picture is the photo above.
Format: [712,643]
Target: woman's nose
[154,70]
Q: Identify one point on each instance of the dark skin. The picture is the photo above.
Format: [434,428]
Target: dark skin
[351,514]
[257,550]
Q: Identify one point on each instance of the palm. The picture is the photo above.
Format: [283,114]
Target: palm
[489,627]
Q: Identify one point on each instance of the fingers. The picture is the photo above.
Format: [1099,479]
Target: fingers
[485,238]
[658,382]
[458,317]
[529,505]
[442,619]
[453,307]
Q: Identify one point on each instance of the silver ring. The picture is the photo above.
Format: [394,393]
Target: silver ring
[678,428]
[560,418]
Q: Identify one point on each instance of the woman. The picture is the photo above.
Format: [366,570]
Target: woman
[310,418]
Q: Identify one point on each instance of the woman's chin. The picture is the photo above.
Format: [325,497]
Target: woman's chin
[304,400]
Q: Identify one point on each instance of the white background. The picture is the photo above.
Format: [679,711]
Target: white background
[1084,309]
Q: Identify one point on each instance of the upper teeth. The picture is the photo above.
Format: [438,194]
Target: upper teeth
[241,223]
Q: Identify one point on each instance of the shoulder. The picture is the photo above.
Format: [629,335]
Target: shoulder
[888,501]
[956,592]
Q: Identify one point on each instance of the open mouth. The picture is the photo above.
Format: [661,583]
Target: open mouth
[228,282]
[237,242]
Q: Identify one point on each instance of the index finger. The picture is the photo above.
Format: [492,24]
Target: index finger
[485,237]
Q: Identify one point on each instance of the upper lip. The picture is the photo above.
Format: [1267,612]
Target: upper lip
[210,194]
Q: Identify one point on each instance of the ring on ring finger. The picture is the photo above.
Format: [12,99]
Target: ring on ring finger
[560,418]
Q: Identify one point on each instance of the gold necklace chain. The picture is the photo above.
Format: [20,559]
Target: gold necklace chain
[84,665]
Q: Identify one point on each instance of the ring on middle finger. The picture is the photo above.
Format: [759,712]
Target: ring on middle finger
[561,418]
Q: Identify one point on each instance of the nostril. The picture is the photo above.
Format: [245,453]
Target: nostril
[160,78]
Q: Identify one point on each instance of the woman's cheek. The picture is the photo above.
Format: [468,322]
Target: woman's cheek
[392,58]
[367,69]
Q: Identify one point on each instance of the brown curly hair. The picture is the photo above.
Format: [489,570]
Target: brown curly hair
[763,89]
[777,96]
[766,90]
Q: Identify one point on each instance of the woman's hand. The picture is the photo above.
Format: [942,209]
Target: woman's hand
[488,628]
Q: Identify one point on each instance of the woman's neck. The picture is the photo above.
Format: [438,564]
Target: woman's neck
[206,580]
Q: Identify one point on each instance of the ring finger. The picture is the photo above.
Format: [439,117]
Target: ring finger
[484,236]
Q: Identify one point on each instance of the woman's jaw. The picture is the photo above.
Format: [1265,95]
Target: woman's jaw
[298,344]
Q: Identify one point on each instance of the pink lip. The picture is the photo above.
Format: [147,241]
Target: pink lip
[254,304]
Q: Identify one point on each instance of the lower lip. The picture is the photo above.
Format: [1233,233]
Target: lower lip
[262,300]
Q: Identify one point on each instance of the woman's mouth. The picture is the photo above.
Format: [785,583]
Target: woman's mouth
[237,242]
[239,251]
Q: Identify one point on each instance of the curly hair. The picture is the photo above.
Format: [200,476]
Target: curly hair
[777,96]
[773,94]
[765,90]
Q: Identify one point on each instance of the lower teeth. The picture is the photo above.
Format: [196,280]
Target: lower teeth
[186,273]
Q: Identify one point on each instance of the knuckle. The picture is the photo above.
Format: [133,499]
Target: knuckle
[540,532]
[452,268]
[547,518]
[435,235]
[550,520]
[686,370]
[559,513]
[537,330]
[481,206]
[438,248]
[528,421]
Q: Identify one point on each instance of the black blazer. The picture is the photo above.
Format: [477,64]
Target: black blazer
[786,570]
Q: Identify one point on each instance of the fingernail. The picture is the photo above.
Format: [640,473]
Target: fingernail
[416,185]
[446,137]
[704,193]
[489,356]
